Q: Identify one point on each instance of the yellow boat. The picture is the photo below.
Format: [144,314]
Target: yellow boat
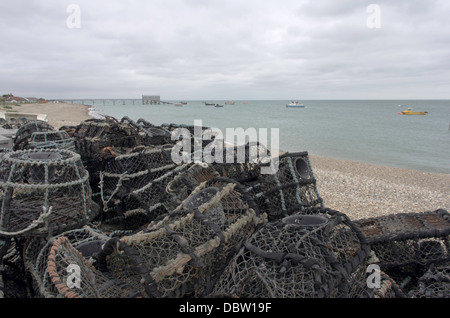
[411,112]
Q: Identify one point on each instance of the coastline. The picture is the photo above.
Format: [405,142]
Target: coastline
[58,114]
[360,190]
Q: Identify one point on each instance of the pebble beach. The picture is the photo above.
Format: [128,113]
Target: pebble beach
[357,189]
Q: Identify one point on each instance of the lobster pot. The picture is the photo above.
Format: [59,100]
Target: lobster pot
[290,186]
[318,253]
[44,192]
[24,133]
[125,173]
[241,163]
[435,283]
[72,275]
[406,244]
[184,183]
[51,139]
[200,136]
[37,250]
[180,255]
[156,135]
[93,135]
[408,238]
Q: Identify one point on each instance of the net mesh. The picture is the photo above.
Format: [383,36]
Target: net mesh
[316,253]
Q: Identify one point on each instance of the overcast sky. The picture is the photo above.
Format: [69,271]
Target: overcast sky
[233,49]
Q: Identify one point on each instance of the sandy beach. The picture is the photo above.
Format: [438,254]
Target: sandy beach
[58,114]
[357,189]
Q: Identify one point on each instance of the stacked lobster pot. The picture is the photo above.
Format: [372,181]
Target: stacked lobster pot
[43,192]
[180,254]
[51,139]
[318,253]
[288,187]
[24,133]
[133,185]
[156,135]
[408,244]
[242,163]
[97,140]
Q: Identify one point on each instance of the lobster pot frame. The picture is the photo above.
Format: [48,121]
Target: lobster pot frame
[51,139]
[289,188]
[25,132]
[241,163]
[44,193]
[86,240]
[317,253]
[179,255]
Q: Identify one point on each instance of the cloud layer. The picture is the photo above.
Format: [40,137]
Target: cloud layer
[210,49]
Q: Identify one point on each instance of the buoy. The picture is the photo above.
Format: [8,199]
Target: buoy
[399,113]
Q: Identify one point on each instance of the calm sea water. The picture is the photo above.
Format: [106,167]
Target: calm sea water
[369,131]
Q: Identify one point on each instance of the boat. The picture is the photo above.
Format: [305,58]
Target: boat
[210,104]
[217,105]
[295,104]
[179,104]
[229,103]
[409,111]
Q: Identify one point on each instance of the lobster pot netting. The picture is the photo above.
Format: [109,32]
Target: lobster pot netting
[43,193]
[435,283]
[316,254]
[180,255]
[24,133]
[241,163]
[51,139]
[86,240]
[406,244]
[290,187]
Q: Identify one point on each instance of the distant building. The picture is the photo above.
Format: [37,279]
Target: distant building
[32,99]
[151,99]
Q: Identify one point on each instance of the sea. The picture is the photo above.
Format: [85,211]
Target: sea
[370,131]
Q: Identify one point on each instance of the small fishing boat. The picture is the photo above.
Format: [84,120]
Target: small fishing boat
[229,103]
[409,111]
[217,105]
[210,104]
[295,104]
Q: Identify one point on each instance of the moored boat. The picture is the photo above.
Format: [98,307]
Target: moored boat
[409,111]
[295,104]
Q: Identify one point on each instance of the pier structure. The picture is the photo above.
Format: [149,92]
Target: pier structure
[146,99]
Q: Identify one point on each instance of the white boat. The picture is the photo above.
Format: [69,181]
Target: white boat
[295,104]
